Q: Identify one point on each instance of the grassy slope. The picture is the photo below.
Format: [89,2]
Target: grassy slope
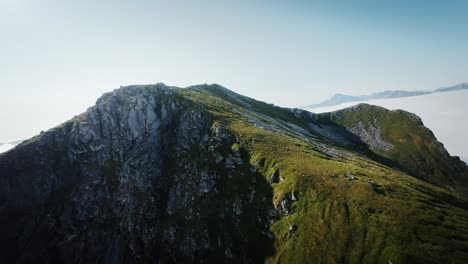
[416,148]
[338,220]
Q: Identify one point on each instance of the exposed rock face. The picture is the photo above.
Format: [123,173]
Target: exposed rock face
[275,178]
[402,140]
[370,135]
[285,204]
[133,179]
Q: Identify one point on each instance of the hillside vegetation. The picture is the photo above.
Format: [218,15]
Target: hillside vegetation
[201,174]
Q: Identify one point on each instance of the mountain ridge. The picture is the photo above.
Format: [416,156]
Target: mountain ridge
[342,98]
[154,173]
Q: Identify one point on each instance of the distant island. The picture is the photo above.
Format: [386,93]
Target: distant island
[343,98]
[7,146]
[14,143]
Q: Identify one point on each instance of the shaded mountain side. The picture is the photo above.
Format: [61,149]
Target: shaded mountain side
[401,137]
[153,173]
[144,175]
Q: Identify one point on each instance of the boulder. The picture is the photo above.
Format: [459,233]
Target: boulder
[292,228]
[274,177]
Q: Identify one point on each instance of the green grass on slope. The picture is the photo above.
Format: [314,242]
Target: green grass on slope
[399,219]
[348,221]
[415,147]
[245,104]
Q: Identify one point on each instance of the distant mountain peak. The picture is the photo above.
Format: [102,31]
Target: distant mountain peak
[340,98]
[458,87]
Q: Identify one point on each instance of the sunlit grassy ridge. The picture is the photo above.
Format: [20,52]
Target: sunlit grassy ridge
[416,148]
[381,215]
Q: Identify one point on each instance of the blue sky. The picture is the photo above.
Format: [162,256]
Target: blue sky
[59,56]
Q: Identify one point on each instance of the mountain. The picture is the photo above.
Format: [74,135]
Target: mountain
[16,142]
[393,94]
[161,174]
[342,98]
[336,100]
[402,138]
[462,86]
[7,146]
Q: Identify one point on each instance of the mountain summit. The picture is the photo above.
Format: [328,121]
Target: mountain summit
[159,174]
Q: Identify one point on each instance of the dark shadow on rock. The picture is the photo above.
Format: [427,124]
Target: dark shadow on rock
[186,208]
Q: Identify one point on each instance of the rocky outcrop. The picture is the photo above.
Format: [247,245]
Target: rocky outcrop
[398,139]
[136,178]
[274,178]
[370,135]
